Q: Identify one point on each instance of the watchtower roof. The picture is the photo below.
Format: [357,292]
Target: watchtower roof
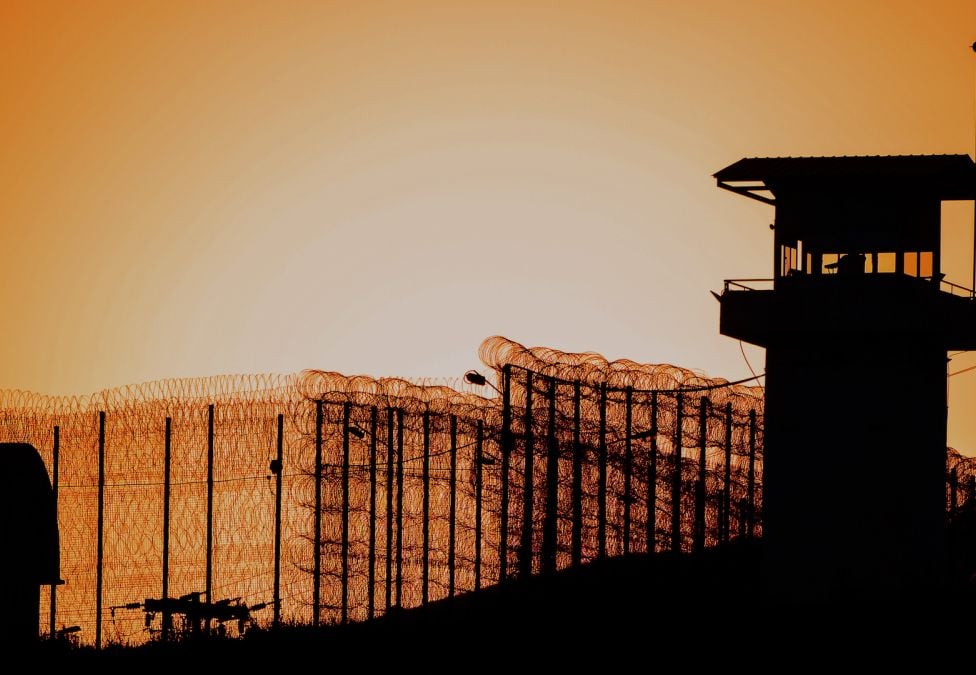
[942,177]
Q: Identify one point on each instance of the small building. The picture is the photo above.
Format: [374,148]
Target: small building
[30,542]
[856,321]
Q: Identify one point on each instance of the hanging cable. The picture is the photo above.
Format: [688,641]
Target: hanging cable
[749,366]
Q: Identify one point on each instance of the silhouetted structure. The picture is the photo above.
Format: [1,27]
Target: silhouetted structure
[856,329]
[29,536]
[380,490]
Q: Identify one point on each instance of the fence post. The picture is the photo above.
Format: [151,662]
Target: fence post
[601,505]
[551,529]
[55,459]
[727,489]
[317,546]
[651,524]
[344,610]
[371,580]
[167,475]
[478,490]
[506,459]
[389,508]
[425,570]
[528,486]
[277,541]
[676,477]
[101,522]
[752,474]
[210,430]
[210,489]
[700,494]
[577,544]
[953,493]
[628,465]
[399,514]
[452,515]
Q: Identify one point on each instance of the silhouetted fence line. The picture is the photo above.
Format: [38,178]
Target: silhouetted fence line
[324,498]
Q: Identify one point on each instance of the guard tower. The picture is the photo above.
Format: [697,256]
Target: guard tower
[856,323]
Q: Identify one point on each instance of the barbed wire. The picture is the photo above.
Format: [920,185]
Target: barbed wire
[643,457]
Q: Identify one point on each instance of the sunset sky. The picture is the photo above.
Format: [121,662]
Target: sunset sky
[198,188]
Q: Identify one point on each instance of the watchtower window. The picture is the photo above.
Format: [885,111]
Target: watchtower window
[878,262]
[925,265]
[918,264]
[887,263]
[790,261]
[848,264]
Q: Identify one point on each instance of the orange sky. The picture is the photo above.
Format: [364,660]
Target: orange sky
[194,188]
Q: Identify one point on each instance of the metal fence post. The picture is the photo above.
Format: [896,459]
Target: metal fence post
[399,514]
[551,528]
[506,459]
[371,574]
[389,508]
[701,485]
[210,490]
[344,609]
[752,474]
[277,534]
[478,496]
[452,513]
[651,524]
[676,477]
[528,487]
[55,461]
[100,525]
[317,535]
[577,543]
[167,465]
[628,465]
[601,505]
[425,570]
[727,486]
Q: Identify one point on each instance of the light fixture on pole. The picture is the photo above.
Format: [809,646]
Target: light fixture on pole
[476,378]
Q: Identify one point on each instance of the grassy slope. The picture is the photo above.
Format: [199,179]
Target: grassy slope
[693,609]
